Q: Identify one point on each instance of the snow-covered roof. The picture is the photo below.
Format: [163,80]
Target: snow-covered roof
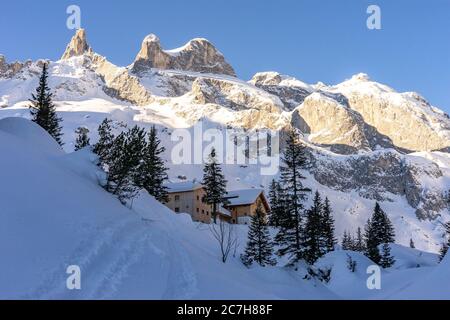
[243,196]
[224,211]
[184,186]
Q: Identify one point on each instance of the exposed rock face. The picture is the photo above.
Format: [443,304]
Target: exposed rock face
[330,123]
[292,93]
[77,46]
[406,118]
[387,118]
[380,175]
[198,55]
[334,124]
[118,83]
[233,95]
[255,108]
[9,70]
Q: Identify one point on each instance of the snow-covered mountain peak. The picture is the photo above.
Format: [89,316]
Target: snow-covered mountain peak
[198,55]
[77,46]
[274,78]
[151,38]
[361,77]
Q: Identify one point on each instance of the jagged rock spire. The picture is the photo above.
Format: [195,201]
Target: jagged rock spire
[197,55]
[77,46]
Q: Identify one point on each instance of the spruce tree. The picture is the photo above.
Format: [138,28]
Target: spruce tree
[259,245]
[314,240]
[43,110]
[277,206]
[347,241]
[82,140]
[123,162]
[359,244]
[379,230]
[152,171]
[327,227]
[214,183]
[291,238]
[104,147]
[387,260]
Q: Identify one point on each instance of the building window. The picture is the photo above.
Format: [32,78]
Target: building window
[198,198]
[177,210]
[207,213]
[203,211]
[177,198]
[198,209]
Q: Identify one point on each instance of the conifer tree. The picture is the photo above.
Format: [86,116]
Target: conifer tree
[359,244]
[379,230]
[291,238]
[387,260]
[411,244]
[214,183]
[82,140]
[43,110]
[347,241]
[123,163]
[277,206]
[152,171]
[259,245]
[314,241]
[327,227]
[104,147]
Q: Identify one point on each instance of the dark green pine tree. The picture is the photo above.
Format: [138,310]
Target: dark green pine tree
[328,238]
[314,240]
[43,110]
[290,237]
[379,230]
[82,140]
[277,206]
[124,160]
[359,244]
[347,241]
[104,147]
[446,244]
[152,172]
[387,260]
[372,243]
[259,245]
[214,183]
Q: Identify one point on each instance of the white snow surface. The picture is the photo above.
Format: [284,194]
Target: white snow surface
[144,250]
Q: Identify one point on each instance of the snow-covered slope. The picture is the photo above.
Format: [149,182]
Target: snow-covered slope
[360,132]
[146,252]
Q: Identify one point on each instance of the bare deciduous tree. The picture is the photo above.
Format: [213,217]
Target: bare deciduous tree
[225,234]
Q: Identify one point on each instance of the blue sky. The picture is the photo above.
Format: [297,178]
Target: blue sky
[313,40]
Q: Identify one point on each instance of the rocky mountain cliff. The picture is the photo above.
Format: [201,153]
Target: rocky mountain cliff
[366,138]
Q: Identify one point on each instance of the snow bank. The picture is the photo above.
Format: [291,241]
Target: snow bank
[54,215]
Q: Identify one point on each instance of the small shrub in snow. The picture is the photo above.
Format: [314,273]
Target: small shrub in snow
[351,264]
